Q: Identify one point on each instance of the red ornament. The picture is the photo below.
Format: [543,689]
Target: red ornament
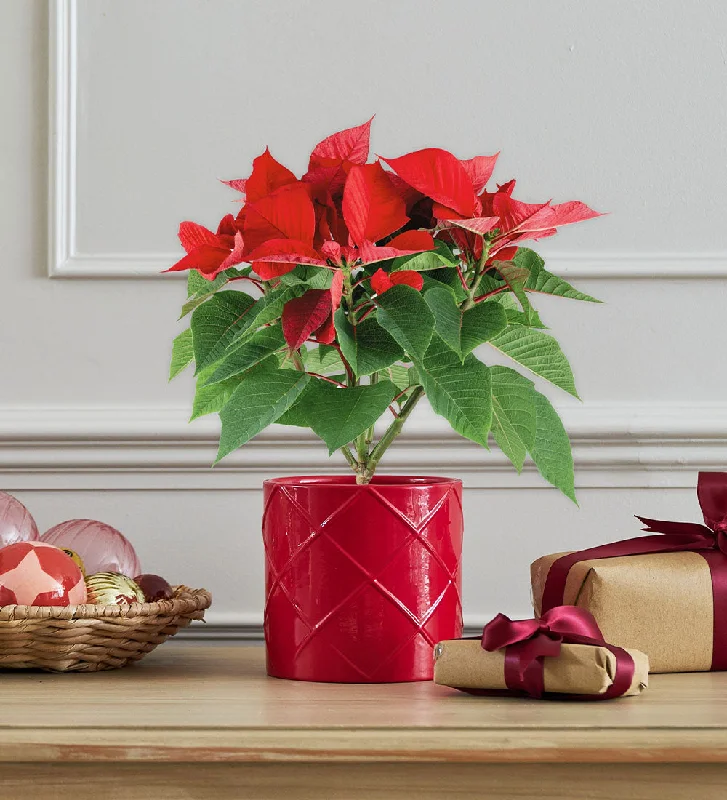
[154,587]
[39,574]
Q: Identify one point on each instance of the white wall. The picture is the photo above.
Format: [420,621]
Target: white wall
[621,104]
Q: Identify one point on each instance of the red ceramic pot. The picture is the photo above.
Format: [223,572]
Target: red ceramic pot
[361,581]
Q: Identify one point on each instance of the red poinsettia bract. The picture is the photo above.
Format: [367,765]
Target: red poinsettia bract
[345,213]
[461,204]
[383,281]
[210,253]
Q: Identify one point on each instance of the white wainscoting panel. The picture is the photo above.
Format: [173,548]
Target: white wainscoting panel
[96,90]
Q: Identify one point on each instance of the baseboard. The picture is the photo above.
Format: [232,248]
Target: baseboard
[252,632]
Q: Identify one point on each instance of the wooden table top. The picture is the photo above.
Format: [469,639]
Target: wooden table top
[208,703]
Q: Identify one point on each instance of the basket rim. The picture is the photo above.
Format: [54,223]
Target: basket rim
[185,601]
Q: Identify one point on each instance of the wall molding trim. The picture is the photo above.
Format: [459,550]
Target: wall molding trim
[614,445]
[66,261]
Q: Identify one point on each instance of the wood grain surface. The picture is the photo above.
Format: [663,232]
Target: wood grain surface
[210,720]
[130,781]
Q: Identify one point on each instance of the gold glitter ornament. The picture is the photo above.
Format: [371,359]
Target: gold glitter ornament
[75,557]
[112,588]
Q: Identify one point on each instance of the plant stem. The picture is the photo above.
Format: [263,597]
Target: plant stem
[362,448]
[366,313]
[349,372]
[477,274]
[491,294]
[328,380]
[365,475]
[370,432]
[349,457]
[297,360]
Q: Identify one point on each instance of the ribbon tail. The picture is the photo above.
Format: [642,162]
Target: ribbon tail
[623,675]
[524,664]
[712,496]
[570,622]
[670,528]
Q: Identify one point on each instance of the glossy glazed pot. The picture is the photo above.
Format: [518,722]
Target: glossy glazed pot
[361,581]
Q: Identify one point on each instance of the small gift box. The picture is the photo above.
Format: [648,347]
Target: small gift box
[563,653]
[665,595]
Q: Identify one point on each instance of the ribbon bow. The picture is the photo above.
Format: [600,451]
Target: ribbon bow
[528,641]
[712,496]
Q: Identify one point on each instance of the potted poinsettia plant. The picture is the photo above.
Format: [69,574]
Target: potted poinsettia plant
[337,301]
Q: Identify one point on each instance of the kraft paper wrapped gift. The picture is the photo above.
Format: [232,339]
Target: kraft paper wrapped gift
[536,657]
[665,595]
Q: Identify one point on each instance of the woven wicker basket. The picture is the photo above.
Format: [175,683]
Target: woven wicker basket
[88,638]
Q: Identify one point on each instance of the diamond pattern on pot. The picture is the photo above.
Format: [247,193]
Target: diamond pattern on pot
[342,586]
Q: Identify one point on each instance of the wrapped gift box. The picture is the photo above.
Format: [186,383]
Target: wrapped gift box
[562,653]
[659,603]
[579,669]
[663,594]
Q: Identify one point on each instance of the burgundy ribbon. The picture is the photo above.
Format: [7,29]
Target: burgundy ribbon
[528,641]
[709,540]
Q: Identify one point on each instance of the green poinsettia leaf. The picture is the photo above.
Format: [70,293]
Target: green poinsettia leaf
[309,276]
[480,324]
[323,359]
[513,312]
[211,399]
[259,346]
[551,450]
[182,353]
[261,398]
[199,289]
[241,327]
[338,416]
[515,276]
[368,347]
[399,375]
[213,321]
[544,282]
[266,310]
[403,312]
[513,413]
[197,283]
[538,352]
[438,258]
[447,315]
[448,278]
[296,415]
[463,331]
[459,392]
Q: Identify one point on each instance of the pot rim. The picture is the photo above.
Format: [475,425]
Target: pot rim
[349,481]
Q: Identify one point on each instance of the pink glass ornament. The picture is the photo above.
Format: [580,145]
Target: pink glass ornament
[38,574]
[101,547]
[16,523]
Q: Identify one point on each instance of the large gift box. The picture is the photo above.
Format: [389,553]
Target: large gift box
[665,595]
[563,653]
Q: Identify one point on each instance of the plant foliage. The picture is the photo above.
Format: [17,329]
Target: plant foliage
[345,296]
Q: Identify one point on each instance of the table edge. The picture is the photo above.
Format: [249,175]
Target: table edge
[461,745]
